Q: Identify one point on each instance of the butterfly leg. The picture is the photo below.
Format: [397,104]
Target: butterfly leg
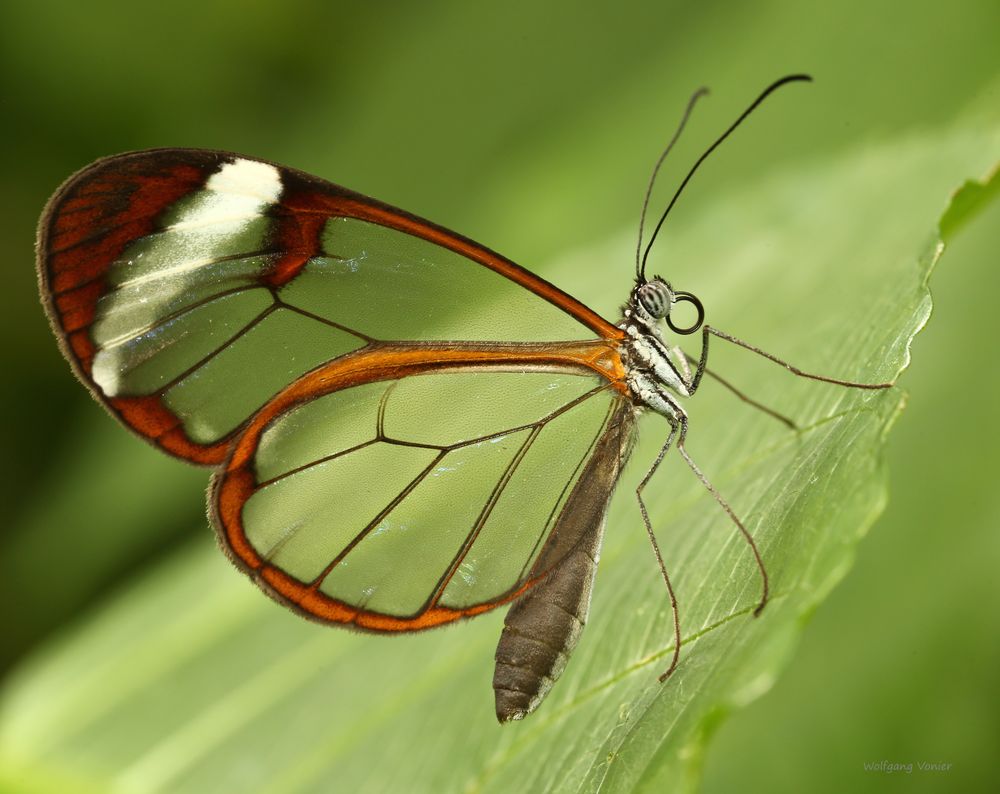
[707,329]
[702,369]
[682,360]
[789,423]
[765,586]
[674,425]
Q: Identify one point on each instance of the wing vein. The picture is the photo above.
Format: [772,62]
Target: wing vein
[204,359]
[393,503]
[228,258]
[560,504]
[160,323]
[491,501]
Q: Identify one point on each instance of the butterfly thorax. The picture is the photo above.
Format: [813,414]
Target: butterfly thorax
[656,374]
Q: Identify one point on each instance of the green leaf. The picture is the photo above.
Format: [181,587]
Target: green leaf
[192,681]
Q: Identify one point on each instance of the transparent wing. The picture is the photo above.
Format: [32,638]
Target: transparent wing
[404,503]
[189,287]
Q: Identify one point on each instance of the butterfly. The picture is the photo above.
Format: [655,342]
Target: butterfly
[407,428]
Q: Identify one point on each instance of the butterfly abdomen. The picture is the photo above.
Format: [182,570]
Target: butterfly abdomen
[543,626]
[541,631]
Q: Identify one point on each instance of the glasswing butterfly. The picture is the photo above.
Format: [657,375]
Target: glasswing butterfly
[386,458]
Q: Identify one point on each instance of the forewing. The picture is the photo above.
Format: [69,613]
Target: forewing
[189,287]
[401,504]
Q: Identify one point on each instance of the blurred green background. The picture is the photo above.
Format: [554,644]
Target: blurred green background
[531,128]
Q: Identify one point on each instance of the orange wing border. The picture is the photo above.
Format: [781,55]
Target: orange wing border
[234,482]
[100,210]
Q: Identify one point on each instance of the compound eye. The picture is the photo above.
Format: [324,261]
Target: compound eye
[655,298]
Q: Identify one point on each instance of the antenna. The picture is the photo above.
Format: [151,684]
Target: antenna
[656,169]
[771,88]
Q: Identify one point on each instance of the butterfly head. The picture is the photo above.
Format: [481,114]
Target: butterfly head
[653,300]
